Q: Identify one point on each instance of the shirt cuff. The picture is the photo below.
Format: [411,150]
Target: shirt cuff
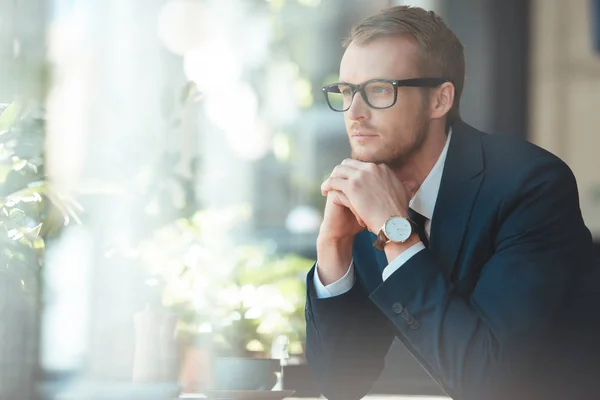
[401,259]
[341,286]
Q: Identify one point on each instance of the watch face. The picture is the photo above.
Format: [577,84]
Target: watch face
[398,229]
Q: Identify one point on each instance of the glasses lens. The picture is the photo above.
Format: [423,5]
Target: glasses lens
[339,97]
[380,94]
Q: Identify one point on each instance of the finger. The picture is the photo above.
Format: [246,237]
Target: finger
[341,199]
[326,187]
[343,171]
[355,164]
[333,183]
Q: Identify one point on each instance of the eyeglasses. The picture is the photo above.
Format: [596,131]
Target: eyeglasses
[377,93]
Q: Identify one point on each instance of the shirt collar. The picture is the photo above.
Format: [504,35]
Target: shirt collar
[424,200]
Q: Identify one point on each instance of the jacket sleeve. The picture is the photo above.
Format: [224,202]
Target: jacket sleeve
[347,339]
[500,343]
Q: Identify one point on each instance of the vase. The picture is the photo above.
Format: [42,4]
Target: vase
[196,367]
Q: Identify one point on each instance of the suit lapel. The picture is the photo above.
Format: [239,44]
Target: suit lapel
[459,187]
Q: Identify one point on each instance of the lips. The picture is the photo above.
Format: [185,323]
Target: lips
[360,134]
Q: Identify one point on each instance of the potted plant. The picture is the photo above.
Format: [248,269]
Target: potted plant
[237,300]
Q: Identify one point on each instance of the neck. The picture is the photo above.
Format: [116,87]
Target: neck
[421,163]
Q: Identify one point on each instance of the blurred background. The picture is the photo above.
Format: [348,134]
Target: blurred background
[160,165]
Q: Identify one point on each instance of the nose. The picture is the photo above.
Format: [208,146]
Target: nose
[359,110]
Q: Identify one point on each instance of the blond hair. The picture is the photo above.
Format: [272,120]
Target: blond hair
[440,52]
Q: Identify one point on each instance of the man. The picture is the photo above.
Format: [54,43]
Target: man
[469,248]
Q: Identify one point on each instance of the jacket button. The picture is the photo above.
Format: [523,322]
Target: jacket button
[397,308]
[404,314]
[415,324]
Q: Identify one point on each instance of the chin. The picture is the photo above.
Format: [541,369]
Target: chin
[362,156]
[372,157]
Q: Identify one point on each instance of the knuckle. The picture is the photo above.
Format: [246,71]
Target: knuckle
[372,167]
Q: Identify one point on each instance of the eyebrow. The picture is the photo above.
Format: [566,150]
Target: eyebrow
[367,80]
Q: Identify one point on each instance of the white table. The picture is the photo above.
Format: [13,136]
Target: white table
[369,397]
[384,397]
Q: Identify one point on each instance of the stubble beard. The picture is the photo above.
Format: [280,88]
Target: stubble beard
[399,157]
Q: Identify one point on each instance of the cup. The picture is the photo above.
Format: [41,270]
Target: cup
[245,373]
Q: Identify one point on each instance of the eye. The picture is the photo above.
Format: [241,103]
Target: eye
[346,91]
[379,89]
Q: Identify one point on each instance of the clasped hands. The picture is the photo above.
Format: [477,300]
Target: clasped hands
[372,192]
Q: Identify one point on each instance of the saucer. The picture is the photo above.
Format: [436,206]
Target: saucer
[249,394]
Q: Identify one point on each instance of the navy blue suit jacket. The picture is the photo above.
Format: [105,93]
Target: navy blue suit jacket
[503,304]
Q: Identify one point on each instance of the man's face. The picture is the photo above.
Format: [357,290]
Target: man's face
[391,135]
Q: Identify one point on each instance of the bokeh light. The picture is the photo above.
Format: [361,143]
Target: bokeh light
[303,219]
[233,108]
[213,66]
[181,25]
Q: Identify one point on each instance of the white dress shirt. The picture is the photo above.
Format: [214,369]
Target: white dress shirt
[422,202]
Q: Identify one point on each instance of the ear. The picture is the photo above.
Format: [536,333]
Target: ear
[443,99]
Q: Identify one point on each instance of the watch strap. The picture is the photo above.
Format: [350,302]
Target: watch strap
[381,240]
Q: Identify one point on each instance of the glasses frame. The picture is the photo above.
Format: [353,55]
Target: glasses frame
[396,83]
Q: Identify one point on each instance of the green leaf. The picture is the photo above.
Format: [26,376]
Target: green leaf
[4,171]
[8,117]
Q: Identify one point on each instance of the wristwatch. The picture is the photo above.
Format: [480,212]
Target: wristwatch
[396,229]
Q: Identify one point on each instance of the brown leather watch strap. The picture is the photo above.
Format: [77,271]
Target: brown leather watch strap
[381,240]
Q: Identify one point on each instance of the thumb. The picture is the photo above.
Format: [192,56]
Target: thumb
[411,187]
